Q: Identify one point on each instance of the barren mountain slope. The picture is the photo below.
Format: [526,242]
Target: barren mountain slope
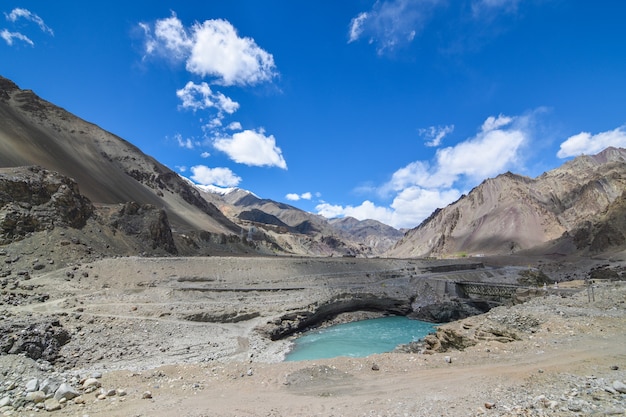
[511,212]
[304,232]
[107,168]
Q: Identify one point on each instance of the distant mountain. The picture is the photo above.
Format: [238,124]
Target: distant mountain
[302,232]
[571,208]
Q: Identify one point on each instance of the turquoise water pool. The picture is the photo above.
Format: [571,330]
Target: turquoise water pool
[358,339]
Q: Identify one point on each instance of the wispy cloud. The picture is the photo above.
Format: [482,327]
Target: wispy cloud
[481,8]
[10,37]
[19,13]
[222,177]
[434,134]
[420,187]
[16,14]
[252,147]
[587,143]
[391,23]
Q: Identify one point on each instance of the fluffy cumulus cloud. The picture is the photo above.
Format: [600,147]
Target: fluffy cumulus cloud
[420,187]
[434,134]
[586,143]
[16,14]
[251,147]
[212,49]
[391,23]
[221,177]
[200,96]
[297,197]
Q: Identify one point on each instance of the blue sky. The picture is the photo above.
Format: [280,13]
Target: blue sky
[374,109]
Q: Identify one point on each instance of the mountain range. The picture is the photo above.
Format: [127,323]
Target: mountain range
[111,171]
[579,207]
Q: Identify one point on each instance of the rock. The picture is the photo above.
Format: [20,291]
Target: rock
[4,401]
[489,405]
[91,382]
[49,385]
[36,397]
[375,367]
[32,385]
[448,359]
[66,391]
[619,386]
[96,374]
[52,405]
[250,372]
[146,395]
[614,367]
[121,392]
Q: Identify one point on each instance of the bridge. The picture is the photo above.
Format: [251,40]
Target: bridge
[485,289]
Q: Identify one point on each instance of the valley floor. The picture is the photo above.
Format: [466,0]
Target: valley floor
[165,334]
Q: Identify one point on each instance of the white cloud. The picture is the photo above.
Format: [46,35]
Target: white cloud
[184,143]
[10,36]
[435,134]
[211,49]
[586,143]
[297,197]
[222,177]
[391,23]
[356,27]
[205,155]
[252,147]
[420,187]
[234,126]
[18,13]
[200,96]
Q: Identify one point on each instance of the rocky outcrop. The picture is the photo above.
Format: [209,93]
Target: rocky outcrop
[146,222]
[33,199]
[42,340]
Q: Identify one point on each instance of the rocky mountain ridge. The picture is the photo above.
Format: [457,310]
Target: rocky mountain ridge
[111,172]
[563,210]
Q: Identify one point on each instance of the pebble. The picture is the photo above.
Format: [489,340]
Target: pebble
[146,395]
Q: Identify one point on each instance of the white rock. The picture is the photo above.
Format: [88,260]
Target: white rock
[32,385]
[91,382]
[49,385]
[619,386]
[66,391]
[5,401]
